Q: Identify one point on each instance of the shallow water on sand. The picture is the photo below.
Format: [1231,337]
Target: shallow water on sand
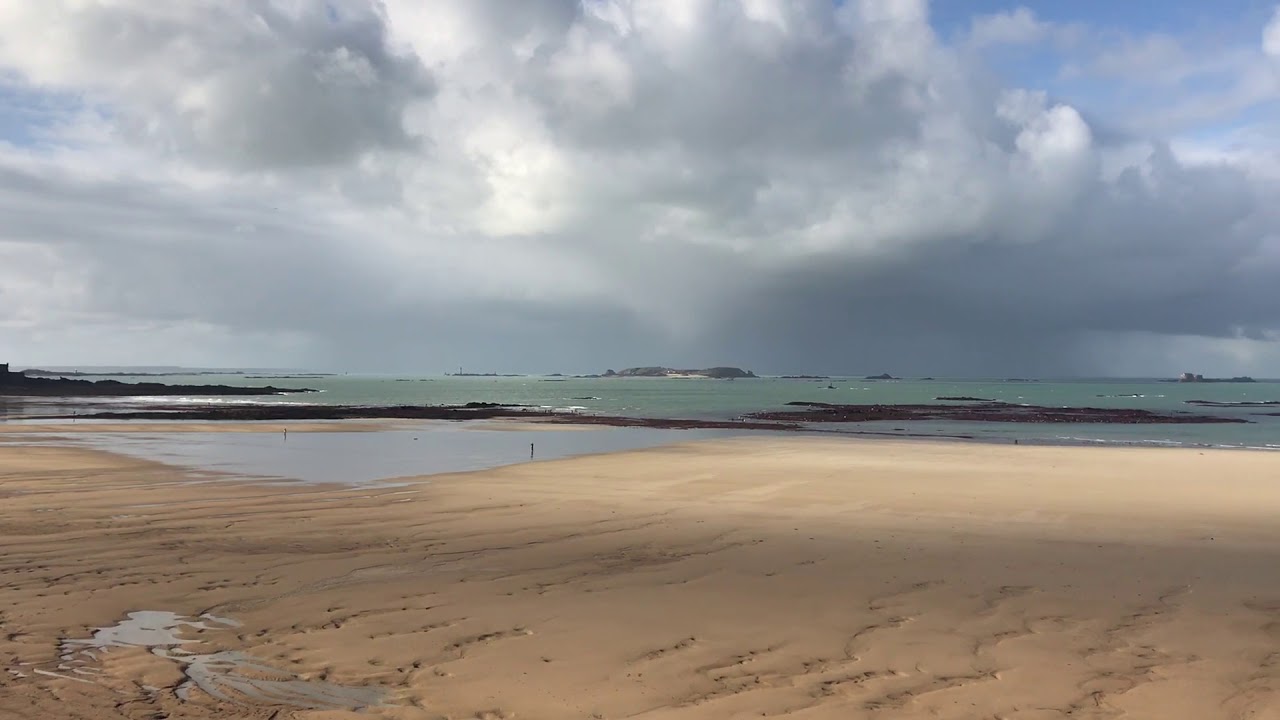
[367,457]
[227,675]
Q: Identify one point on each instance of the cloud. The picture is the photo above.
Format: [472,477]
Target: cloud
[1156,57]
[254,84]
[1017,27]
[556,185]
[1271,35]
[1173,82]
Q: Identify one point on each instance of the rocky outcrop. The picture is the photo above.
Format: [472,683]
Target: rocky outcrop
[802,415]
[817,412]
[1232,403]
[469,411]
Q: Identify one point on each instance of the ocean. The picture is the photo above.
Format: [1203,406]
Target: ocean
[704,398]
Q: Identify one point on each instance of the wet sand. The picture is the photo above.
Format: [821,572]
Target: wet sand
[96,426]
[797,577]
[325,453]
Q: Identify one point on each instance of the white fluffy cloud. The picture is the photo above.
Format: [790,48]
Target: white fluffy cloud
[246,83]
[1019,26]
[417,183]
[1271,35]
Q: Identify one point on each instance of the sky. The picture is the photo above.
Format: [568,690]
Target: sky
[978,188]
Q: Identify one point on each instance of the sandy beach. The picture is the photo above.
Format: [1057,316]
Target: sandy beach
[762,577]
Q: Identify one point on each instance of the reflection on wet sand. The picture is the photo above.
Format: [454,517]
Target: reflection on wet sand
[364,457]
[230,676]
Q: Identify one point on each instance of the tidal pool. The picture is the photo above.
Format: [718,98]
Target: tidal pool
[229,675]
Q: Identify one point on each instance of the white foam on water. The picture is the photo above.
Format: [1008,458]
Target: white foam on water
[229,675]
[212,400]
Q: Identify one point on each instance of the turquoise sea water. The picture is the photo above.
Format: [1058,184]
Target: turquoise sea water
[698,398]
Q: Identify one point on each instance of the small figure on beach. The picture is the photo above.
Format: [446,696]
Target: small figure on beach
[530,451]
[286,434]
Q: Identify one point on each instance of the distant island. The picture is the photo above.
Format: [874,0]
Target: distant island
[492,374]
[38,372]
[717,373]
[20,384]
[882,376]
[1194,378]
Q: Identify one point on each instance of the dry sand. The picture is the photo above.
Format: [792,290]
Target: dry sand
[748,578]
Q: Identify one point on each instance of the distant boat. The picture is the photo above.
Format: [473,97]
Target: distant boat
[831,387]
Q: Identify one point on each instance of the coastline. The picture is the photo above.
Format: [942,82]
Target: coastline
[795,575]
[1086,412]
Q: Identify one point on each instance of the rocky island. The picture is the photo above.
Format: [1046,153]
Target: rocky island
[19,384]
[718,373]
[1194,378]
[484,375]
